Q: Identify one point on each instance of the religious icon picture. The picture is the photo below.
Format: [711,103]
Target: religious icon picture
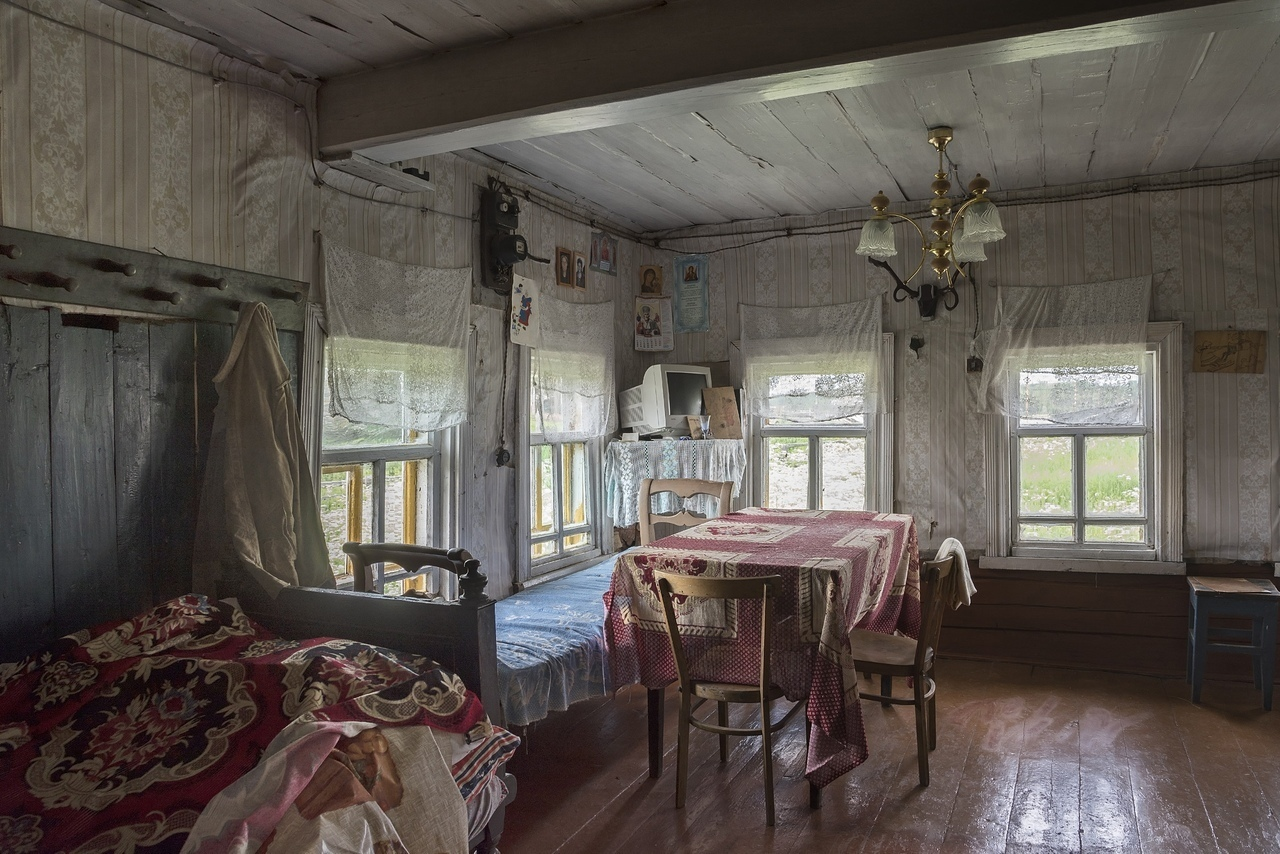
[651,281]
[604,253]
[564,267]
[579,271]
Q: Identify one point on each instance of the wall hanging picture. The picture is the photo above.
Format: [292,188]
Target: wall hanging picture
[604,253]
[1232,351]
[692,307]
[564,267]
[579,271]
[524,312]
[653,325]
[651,280]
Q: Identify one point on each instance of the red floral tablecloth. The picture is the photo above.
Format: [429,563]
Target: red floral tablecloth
[840,569]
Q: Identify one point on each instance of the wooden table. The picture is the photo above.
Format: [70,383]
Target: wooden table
[840,570]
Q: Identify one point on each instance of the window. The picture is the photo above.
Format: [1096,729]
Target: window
[380,484]
[812,462]
[1088,465]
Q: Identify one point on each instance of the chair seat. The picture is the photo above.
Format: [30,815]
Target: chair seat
[892,654]
[732,692]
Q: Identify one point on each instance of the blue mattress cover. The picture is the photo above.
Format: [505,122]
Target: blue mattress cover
[551,644]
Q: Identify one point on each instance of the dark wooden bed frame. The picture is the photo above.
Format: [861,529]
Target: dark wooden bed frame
[459,635]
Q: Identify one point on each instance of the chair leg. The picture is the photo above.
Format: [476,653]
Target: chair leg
[933,714]
[922,731]
[722,718]
[815,794]
[1267,663]
[1200,651]
[766,738]
[886,689]
[682,751]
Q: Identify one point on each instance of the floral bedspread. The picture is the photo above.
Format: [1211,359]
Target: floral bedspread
[115,738]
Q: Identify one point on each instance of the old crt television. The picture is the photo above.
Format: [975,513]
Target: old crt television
[664,400]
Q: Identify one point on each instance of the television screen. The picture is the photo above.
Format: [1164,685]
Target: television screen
[684,393]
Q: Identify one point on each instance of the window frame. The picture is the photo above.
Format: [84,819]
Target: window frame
[1164,498]
[528,570]
[877,429]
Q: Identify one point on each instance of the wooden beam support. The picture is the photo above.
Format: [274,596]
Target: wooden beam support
[704,54]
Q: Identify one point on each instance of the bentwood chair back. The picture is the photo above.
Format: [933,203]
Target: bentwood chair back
[684,489]
[763,590]
[892,655]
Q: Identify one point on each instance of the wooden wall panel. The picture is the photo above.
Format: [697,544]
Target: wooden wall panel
[26,537]
[82,436]
[133,442]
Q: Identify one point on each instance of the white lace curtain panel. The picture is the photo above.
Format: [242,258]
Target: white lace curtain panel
[1064,329]
[572,371]
[397,344]
[812,365]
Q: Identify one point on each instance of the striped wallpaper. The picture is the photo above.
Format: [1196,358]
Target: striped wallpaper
[207,158]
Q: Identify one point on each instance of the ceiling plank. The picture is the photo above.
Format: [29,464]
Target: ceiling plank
[950,100]
[1010,103]
[705,54]
[888,120]
[1244,134]
[1074,89]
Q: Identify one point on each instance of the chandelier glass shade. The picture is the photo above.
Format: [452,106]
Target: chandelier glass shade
[955,237]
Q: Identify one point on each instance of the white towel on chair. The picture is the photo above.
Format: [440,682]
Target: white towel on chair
[963,591]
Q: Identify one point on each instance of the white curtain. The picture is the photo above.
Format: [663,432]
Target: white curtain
[397,340]
[1099,327]
[812,365]
[572,371]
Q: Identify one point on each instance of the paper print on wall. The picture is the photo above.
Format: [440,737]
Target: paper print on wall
[525,328]
[651,280]
[653,325]
[564,267]
[579,271]
[1230,352]
[604,253]
[692,306]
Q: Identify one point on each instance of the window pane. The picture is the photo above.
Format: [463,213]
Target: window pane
[1115,533]
[543,507]
[1046,484]
[1073,395]
[345,510]
[831,399]
[1113,476]
[786,473]
[543,549]
[573,479]
[844,473]
[1047,533]
[393,526]
[577,541]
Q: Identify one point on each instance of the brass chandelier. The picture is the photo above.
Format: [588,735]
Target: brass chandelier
[957,238]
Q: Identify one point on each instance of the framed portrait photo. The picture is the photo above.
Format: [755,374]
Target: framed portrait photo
[564,267]
[651,280]
[579,271]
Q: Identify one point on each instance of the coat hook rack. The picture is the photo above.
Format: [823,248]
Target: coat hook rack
[45,280]
[107,265]
[294,297]
[161,295]
[10,250]
[202,281]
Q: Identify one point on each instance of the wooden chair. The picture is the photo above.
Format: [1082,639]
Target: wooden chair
[684,489]
[764,692]
[893,655]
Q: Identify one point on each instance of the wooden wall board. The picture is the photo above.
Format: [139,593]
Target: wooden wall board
[26,535]
[173,484]
[82,438]
[132,394]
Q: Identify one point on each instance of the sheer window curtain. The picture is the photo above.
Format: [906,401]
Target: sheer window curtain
[1100,325]
[571,372]
[784,349]
[397,344]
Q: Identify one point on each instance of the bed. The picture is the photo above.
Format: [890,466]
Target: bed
[248,724]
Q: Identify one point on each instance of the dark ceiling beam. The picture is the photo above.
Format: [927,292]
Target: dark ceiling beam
[702,54]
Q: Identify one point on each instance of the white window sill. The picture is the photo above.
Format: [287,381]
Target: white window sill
[1067,564]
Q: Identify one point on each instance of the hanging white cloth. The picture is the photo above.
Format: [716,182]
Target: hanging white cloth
[572,371]
[1098,325]
[962,587]
[397,340]
[258,512]
[812,365]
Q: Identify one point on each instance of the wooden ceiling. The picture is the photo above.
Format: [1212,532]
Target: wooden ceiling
[1188,102]
[1138,103]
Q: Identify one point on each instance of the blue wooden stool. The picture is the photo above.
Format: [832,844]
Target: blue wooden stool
[1254,599]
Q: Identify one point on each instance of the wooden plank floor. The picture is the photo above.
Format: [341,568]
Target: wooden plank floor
[1028,759]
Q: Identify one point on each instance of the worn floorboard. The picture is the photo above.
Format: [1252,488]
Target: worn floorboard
[1028,759]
